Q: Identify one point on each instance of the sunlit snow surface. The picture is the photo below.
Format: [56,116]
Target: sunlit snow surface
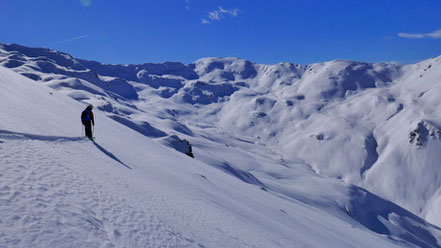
[336,154]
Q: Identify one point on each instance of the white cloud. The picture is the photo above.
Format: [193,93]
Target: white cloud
[219,13]
[214,15]
[232,12]
[411,36]
[435,35]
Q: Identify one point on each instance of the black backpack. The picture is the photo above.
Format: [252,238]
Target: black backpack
[85,115]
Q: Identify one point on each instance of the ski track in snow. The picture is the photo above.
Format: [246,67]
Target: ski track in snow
[62,209]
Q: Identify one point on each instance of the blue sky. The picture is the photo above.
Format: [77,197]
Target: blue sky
[263,31]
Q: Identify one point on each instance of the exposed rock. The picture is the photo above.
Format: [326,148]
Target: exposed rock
[424,130]
[181,145]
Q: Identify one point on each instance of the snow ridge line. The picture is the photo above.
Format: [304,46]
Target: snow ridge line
[25,136]
[22,136]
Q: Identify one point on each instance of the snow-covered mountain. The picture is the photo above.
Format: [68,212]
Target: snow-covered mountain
[335,154]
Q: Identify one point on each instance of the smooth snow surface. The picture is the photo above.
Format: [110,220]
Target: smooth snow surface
[337,154]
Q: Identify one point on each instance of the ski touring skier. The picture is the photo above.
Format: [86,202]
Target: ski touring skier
[88,121]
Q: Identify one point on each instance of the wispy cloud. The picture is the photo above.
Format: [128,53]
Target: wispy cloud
[214,15]
[434,35]
[232,12]
[411,36]
[69,40]
[86,3]
[218,14]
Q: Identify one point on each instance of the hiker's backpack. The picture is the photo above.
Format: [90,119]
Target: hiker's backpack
[85,115]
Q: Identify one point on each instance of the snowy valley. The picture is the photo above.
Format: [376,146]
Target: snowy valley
[222,152]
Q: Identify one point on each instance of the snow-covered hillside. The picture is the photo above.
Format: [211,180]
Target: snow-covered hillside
[336,154]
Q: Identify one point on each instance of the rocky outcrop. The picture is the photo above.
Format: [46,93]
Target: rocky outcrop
[424,131]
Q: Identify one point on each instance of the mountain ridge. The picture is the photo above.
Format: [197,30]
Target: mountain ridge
[348,121]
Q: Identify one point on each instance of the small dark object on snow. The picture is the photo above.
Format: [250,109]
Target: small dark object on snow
[320,136]
[190,152]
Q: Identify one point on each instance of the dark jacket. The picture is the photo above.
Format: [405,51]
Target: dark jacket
[87,116]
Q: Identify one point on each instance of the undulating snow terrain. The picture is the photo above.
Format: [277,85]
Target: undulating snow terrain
[335,154]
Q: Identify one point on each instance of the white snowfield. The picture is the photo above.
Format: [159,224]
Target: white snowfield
[337,154]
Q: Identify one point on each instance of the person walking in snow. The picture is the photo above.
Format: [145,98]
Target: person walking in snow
[88,121]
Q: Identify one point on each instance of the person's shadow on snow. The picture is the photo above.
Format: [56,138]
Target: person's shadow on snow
[109,154]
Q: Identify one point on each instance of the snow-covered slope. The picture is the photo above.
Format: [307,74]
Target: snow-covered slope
[326,155]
